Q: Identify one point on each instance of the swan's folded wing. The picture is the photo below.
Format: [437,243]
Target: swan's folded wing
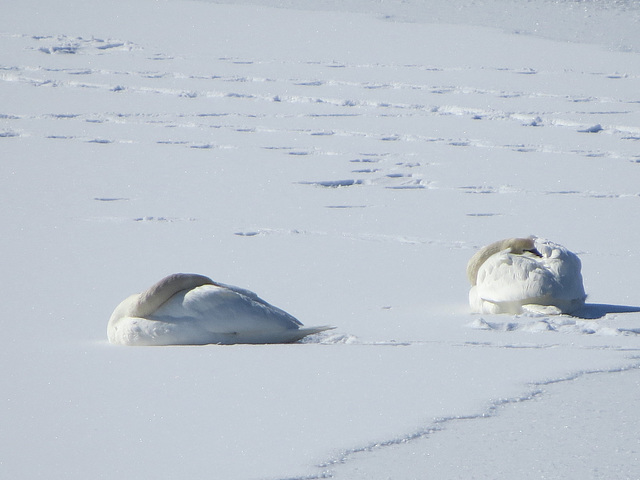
[565,266]
[506,278]
[257,300]
[219,309]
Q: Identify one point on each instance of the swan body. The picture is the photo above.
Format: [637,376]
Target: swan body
[525,274]
[190,309]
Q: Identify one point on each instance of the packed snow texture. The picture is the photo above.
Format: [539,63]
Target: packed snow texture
[344,160]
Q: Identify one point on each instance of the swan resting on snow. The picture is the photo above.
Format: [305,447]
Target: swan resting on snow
[525,274]
[190,309]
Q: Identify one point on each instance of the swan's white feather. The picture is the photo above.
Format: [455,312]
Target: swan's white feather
[205,314]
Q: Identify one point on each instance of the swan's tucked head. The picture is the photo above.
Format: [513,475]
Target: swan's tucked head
[516,246]
[520,246]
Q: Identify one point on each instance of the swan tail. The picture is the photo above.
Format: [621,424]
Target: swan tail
[305,331]
[261,337]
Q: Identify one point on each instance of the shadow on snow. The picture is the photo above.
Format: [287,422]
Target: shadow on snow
[593,311]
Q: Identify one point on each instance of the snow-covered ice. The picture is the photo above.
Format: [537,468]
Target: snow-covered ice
[345,160]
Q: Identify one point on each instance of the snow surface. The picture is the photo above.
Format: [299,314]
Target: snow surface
[344,163]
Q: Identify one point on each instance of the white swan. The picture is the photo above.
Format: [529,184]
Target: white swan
[190,309]
[530,274]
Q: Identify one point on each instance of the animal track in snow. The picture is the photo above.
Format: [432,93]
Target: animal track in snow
[334,183]
[364,237]
[484,214]
[322,109]
[360,99]
[9,134]
[63,44]
[628,133]
[162,219]
[110,199]
[142,220]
